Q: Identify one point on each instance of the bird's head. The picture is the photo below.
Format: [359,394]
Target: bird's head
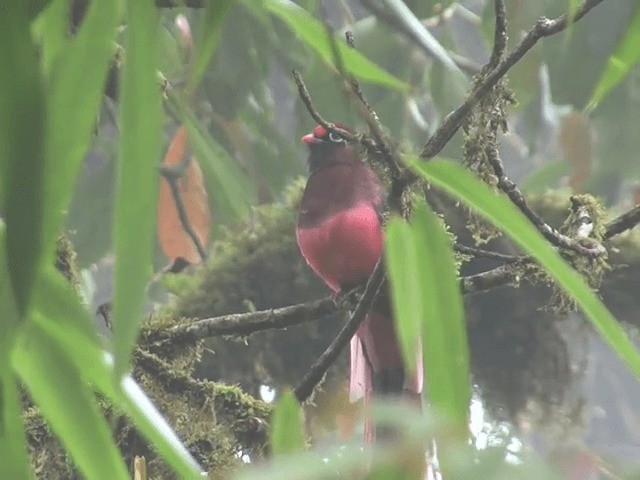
[327,148]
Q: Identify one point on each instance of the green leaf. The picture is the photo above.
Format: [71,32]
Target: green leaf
[423,36]
[14,462]
[74,94]
[286,426]
[315,35]
[464,186]
[96,368]
[22,127]
[136,192]
[210,29]
[228,186]
[67,323]
[426,299]
[151,423]
[67,403]
[51,29]
[623,58]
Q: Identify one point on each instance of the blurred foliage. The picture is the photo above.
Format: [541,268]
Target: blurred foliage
[234,89]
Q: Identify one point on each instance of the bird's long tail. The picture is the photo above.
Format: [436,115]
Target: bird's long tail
[377,369]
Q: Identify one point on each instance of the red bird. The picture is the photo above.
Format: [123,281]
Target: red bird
[340,235]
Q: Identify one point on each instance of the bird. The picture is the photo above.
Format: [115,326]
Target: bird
[340,234]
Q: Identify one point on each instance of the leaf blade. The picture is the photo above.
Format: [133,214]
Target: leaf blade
[314,34]
[431,286]
[619,64]
[136,193]
[463,185]
[286,427]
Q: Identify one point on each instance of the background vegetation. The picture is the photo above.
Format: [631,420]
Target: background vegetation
[116,117]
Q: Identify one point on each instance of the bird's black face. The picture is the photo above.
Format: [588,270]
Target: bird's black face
[326,147]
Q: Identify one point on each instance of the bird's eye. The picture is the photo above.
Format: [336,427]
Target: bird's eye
[335,138]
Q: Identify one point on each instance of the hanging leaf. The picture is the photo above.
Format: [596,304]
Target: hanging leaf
[174,240]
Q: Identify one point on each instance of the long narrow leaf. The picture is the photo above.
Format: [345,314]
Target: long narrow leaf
[14,462]
[286,426]
[623,58]
[227,185]
[134,224]
[464,186]
[426,298]
[68,405]
[51,28]
[421,33]
[74,94]
[314,34]
[210,30]
[64,323]
[22,120]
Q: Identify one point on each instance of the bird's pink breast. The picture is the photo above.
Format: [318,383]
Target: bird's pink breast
[345,247]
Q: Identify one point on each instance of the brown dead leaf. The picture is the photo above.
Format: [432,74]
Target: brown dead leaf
[174,240]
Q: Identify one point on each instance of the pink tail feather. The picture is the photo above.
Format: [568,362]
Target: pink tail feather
[377,336]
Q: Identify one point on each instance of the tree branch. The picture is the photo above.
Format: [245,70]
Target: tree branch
[544,27]
[500,35]
[317,371]
[243,323]
[624,222]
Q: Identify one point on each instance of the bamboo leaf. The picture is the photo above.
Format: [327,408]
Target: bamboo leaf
[464,186]
[74,94]
[229,189]
[623,58]
[286,427]
[136,191]
[22,130]
[14,462]
[68,405]
[210,30]
[428,305]
[314,34]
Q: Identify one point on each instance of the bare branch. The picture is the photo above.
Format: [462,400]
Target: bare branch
[316,373]
[624,222]
[306,99]
[481,282]
[500,35]
[244,323]
[544,27]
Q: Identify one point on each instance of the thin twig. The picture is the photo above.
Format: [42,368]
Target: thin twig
[317,371]
[173,175]
[303,92]
[478,252]
[624,222]
[244,323]
[515,195]
[544,27]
